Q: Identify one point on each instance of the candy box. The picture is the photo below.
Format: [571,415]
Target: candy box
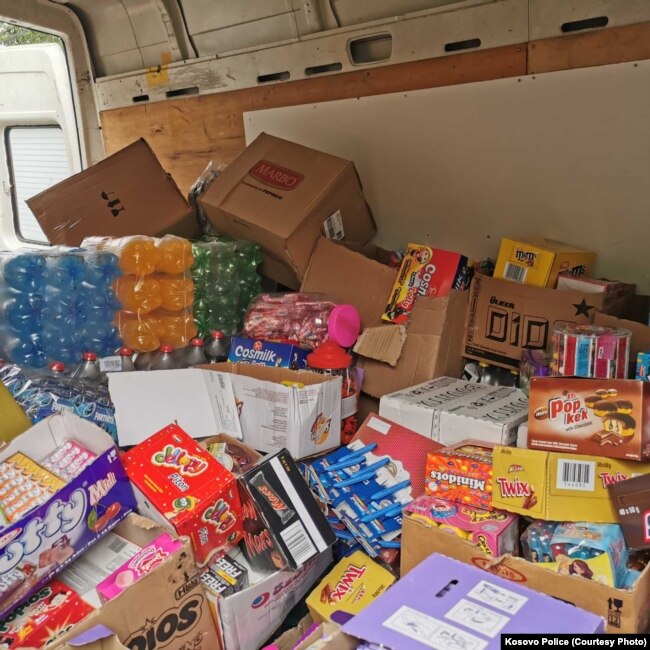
[225,577]
[449,410]
[443,603]
[82,511]
[632,506]
[538,262]
[494,533]
[461,473]
[284,526]
[142,563]
[181,486]
[353,583]
[642,366]
[267,353]
[425,271]
[590,416]
[546,485]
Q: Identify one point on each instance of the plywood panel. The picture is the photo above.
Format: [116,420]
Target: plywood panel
[187,133]
[562,154]
[601,47]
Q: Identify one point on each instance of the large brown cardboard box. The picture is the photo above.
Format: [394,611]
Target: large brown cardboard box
[623,611]
[128,193]
[284,196]
[434,335]
[166,608]
[505,317]
[640,335]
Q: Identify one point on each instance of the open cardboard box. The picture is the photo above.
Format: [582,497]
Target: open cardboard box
[623,611]
[430,347]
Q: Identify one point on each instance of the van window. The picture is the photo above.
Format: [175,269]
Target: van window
[37,158]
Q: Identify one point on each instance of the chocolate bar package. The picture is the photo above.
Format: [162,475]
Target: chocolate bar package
[631,499]
[225,577]
[283,524]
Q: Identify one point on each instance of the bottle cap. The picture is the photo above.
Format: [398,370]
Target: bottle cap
[329,355]
[57,366]
[166,348]
[217,334]
[89,356]
[344,325]
[125,352]
[197,342]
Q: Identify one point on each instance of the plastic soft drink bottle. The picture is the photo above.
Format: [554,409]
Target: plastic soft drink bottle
[217,347]
[23,311]
[194,354]
[23,271]
[101,268]
[175,255]
[88,370]
[165,360]
[126,355]
[177,292]
[140,295]
[177,329]
[64,271]
[137,255]
[141,333]
[56,370]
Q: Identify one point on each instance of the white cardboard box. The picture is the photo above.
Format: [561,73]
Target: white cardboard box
[450,410]
[302,415]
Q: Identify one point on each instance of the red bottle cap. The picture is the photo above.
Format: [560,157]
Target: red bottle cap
[197,342]
[166,348]
[125,352]
[57,366]
[217,334]
[89,356]
[329,356]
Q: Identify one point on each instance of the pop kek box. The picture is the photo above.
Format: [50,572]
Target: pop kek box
[590,416]
[181,486]
[49,537]
[267,353]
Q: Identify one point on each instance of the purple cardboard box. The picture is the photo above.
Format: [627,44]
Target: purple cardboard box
[49,537]
[443,603]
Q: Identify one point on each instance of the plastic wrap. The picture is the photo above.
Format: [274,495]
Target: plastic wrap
[56,304]
[155,290]
[226,280]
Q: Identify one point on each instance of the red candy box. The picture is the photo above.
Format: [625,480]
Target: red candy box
[181,486]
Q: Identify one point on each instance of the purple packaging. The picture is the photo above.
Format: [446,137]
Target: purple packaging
[49,537]
[443,603]
[267,353]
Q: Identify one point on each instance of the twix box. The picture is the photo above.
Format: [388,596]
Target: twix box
[348,588]
[632,504]
[590,416]
[181,486]
[558,487]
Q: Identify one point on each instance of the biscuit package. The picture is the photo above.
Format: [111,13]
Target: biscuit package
[590,416]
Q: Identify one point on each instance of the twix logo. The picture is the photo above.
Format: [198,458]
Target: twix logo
[345,585]
[611,479]
[514,488]
[179,459]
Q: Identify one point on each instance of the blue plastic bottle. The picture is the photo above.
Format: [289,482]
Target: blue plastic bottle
[23,271]
[22,311]
[64,270]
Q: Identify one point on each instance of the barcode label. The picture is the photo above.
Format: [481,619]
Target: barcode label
[117,545]
[515,273]
[298,542]
[334,226]
[110,364]
[576,475]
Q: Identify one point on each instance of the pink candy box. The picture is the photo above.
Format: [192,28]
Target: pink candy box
[142,563]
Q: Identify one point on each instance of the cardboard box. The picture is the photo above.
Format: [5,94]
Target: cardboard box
[239,399]
[640,335]
[177,617]
[632,506]
[290,639]
[493,532]
[14,421]
[590,416]
[183,488]
[128,193]
[327,636]
[624,611]
[290,515]
[567,282]
[449,411]
[267,353]
[546,485]
[505,317]
[248,618]
[30,552]
[442,598]
[284,196]
[538,262]
[434,340]
[353,583]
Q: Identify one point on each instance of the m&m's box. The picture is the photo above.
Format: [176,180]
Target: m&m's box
[461,473]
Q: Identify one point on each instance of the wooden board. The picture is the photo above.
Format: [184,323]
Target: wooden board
[601,47]
[187,133]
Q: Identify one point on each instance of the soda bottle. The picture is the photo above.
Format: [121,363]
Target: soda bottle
[177,329]
[140,295]
[140,333]
[22,349]
[143,360]
[217,347]
[60,342]
[165,360]
[88,370]
[23,311]
[194,354]
[177,292]
[64,271]
[175,255]
[56,370]
[101,268]
[23,271]
[127,359]
[137,255]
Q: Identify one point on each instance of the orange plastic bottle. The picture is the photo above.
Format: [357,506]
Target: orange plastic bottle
[141,333]
[139,294]
[175,255]
[177,329]
[177,292]
[138,255]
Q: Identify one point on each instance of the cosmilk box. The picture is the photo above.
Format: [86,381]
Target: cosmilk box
[623,611]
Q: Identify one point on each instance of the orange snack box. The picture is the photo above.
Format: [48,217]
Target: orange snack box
[461,473]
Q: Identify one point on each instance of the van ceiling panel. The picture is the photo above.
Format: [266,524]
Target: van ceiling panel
[353,12]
